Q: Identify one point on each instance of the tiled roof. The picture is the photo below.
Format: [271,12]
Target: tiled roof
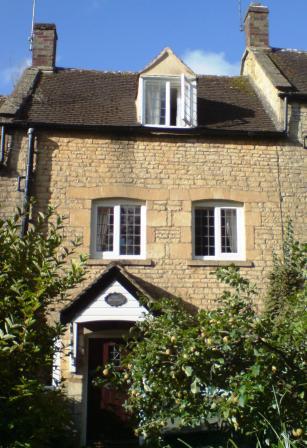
[83,97]
[293,65]
[92,98]
[230,103]
[2,99]
[14,103]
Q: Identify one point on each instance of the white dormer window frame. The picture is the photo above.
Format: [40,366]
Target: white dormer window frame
[172,102]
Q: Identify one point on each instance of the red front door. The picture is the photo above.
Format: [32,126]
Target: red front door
[106,418]
[111,399]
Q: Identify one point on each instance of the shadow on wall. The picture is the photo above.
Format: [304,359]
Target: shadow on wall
[14,167]
[15,155]
[294,122]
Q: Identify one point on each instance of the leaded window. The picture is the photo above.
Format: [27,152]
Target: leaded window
[118,229]
[218,230]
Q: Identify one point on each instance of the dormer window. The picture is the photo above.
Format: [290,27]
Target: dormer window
[169,101]
[167,95]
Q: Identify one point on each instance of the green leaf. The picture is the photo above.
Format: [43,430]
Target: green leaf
[242,399]
[255,370]
[188,370]
[195,389]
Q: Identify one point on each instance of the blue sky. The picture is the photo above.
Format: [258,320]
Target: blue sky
[126,34]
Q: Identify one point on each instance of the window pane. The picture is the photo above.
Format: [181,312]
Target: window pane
[105,226]
[187,102]
[204,232]
[114,355]
[130,230]
[229,230]
[175,106]
[155,102]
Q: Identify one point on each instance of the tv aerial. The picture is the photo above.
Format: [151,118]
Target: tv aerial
[240,15]
[32,24]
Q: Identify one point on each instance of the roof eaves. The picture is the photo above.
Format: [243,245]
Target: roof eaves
[138,129]
[294,95]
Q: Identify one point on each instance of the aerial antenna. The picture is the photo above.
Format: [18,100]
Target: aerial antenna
[240,15]
[32,25]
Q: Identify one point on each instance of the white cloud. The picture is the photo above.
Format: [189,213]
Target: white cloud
[209,63]
[10,75]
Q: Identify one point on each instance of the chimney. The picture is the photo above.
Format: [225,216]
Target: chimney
[257,26]
[44,45]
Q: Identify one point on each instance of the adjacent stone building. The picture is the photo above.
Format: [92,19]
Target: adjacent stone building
[164,175]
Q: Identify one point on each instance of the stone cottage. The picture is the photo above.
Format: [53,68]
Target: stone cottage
[164,175]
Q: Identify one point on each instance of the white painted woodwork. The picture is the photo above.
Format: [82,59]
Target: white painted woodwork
[186,101]
[99,310]
[56,364]
[115,254]
[218,205]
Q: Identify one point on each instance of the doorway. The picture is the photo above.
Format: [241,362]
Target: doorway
[107,421]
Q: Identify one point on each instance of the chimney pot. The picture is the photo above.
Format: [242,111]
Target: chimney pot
[257,26]
[44,45]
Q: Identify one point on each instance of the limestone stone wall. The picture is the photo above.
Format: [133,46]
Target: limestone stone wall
[169,174]
[267,80]
[297,120]
[73,169]
[264,77]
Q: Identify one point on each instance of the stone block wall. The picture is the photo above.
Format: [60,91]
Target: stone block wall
[265,76]
[169,175]
[297,120]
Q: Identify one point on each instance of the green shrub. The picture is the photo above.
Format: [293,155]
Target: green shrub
[34,276]
[223,367]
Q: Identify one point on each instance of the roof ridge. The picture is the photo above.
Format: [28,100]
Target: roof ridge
[221,76]
[292,50]
[115,72]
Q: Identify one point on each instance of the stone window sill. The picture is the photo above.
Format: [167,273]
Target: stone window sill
[99,262]
[220,263]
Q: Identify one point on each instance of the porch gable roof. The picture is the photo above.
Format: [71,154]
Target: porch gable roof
[114,272]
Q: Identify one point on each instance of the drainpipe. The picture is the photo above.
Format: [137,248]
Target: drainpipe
[286,114]
[2,145]
[26,196]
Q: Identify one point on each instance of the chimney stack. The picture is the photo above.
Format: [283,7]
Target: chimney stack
[257,26]
[44,45]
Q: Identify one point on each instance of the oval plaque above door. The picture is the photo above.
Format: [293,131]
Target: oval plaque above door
[116,299]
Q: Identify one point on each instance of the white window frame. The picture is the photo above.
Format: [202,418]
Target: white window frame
[187,104]
[218,206]
[115,255]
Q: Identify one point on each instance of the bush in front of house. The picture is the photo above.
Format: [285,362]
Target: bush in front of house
[227,368]
[34,275]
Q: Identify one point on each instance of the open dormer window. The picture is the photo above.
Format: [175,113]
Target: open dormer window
[167,95]
[169,101]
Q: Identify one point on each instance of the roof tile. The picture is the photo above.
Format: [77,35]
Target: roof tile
[293,65]
[92,98]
